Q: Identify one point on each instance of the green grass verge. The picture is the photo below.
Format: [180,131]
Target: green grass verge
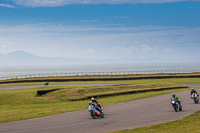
[100,77]
[189,124]
[82,93]
[172,80]
[20,104]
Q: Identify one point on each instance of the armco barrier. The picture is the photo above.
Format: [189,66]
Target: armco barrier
[98,73]
[101,79]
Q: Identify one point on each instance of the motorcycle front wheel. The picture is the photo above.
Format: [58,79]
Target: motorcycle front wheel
[175,108]
[93,115]
[195,100]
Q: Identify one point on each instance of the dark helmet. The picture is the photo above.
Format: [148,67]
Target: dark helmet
[173,94]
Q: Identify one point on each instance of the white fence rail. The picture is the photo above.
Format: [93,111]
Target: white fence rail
[98,73]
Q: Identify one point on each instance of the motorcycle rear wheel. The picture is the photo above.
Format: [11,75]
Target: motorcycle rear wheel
[102,115]
[180,107]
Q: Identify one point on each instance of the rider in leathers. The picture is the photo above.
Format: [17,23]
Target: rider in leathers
[175,97]
[95,103]
[193,91]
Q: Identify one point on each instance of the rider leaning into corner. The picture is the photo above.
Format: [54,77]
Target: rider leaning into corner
[193,91]
[174,97]
[95,103]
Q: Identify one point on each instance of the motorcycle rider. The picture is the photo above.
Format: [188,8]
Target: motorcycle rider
[193,91]
[174,97]
[95,103]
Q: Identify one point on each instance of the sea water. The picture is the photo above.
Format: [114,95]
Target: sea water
[159,67]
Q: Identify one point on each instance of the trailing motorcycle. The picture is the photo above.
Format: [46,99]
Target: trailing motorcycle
[195,97]
[176,105]
[95,112]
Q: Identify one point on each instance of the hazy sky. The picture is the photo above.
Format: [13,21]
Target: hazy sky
[101,29]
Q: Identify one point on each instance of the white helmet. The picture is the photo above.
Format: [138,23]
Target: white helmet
[90,102]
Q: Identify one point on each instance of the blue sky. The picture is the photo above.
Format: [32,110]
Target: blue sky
[102,29]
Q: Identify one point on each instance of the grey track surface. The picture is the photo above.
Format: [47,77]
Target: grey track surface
[127,115]
[191,85]
[37,86]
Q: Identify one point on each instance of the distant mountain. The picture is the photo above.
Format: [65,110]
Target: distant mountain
[17,58]
[21,58]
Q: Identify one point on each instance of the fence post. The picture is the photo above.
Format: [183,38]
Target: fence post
[101,73]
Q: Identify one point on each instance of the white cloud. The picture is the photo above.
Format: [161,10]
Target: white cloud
[45,27]
[6,5]
[53,3]
[146,48]
[168,50]
[87,20]
[118,17]
[103,42]
[3,48]
[90,51]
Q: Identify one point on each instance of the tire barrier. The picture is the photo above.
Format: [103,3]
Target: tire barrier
[43,92]
[128,92]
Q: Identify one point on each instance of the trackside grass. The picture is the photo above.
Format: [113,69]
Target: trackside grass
[172,80]
[20,104]
[88,92]
[189,124]
[94,78]
[114,76]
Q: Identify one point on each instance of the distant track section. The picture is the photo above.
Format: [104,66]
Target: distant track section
[37,86]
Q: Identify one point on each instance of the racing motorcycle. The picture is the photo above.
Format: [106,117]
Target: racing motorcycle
[95,112]
[176,105]
[195,97]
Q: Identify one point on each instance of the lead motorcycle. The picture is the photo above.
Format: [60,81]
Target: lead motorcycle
[95,112]
[195,97]
[176,105]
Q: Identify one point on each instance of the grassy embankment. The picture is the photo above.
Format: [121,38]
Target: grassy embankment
[142,81]
[99,79]
[19,104]
[189,124]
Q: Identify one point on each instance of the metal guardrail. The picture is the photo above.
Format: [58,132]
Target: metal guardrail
[99,73]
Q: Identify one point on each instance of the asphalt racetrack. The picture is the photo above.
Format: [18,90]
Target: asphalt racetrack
[37,86]
[127,115]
